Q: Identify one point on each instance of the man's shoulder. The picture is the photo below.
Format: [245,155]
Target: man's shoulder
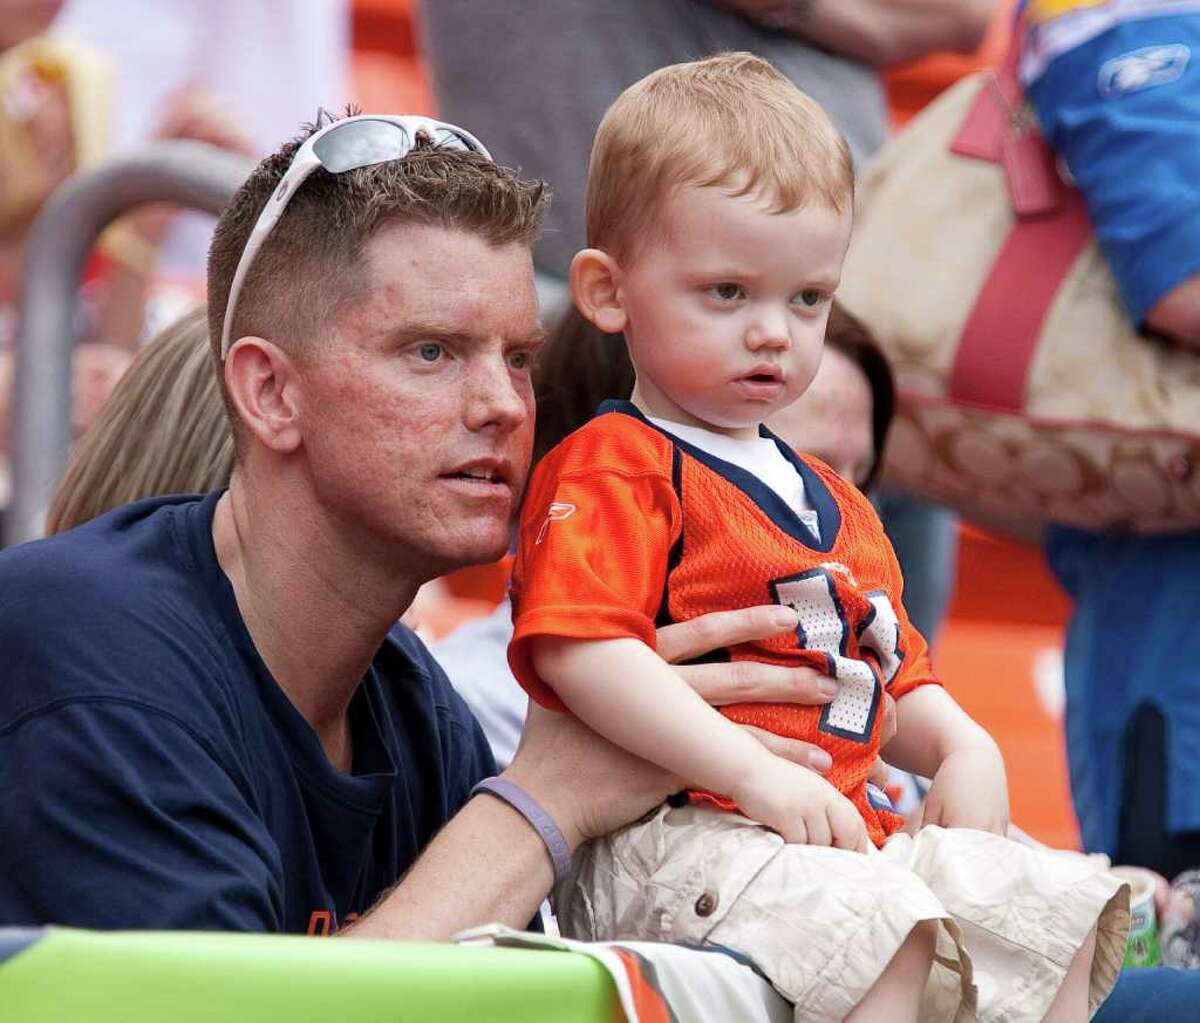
[407,662]
[116,606]
[126,557]
[419,689]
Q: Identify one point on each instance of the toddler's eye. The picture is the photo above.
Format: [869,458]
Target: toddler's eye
[430,351]
[810,297]
[726,292]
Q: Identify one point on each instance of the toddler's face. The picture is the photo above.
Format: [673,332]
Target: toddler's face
[726,306]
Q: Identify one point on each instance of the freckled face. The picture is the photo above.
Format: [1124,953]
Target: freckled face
[418,416]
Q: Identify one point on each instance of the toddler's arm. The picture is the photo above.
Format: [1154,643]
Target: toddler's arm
[627,693]
[937,738]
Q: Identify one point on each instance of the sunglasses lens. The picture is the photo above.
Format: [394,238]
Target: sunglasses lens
[453,139]
[361,144]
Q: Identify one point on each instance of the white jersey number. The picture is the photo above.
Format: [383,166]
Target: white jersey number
[813,596]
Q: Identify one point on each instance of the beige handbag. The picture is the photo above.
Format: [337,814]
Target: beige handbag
[1025,395]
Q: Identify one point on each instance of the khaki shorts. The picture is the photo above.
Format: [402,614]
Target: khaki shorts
[821,924]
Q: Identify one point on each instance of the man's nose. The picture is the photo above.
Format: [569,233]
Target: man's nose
[493,399]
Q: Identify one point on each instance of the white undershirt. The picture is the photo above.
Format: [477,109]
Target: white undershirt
[759,456]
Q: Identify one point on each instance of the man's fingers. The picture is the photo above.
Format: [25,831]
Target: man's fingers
[726,682]
[796,750]
[684,640]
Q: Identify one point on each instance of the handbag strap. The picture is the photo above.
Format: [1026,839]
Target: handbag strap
[1050,230]
[996,109]
[1000,336]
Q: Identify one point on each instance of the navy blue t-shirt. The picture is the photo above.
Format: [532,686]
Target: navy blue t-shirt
[152,772]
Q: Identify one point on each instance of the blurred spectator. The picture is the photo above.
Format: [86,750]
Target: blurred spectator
[1133,699]
[562,62]
[1117,91]
[274,62]
[55,115]
[914,84]
[163,431]
[843,418]
[1117,95]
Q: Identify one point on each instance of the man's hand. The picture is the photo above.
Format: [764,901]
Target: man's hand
[803,807]
[591,787]
[969,790]
[725,682]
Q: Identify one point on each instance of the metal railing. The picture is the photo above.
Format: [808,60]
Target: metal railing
[190,174]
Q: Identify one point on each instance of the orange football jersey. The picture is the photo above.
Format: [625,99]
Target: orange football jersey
[626,527]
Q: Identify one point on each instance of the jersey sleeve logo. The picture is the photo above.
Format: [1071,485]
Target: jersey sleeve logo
[557,511]
[1141,69]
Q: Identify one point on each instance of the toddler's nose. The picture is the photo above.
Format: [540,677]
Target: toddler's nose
[769,331]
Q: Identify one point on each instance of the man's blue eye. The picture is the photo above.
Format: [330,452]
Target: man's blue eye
[726,292]
[810,297]
[430,351]
[519,360]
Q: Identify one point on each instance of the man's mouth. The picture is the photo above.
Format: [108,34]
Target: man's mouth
[483,476]
[478,474]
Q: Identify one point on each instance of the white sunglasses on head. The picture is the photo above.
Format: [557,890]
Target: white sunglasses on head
[353,142]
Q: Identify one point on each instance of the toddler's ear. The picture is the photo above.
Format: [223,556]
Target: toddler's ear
[594,279]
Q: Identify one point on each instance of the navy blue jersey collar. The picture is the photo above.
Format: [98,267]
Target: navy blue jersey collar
[776,509]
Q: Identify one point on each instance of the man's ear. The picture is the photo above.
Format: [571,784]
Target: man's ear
[595,280]
[263,386]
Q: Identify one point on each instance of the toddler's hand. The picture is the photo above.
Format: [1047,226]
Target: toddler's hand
[802,806]
[969,791]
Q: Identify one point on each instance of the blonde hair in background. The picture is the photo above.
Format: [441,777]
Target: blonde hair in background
[731,120]
[163,431]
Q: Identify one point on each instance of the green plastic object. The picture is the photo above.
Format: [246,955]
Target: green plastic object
[150,977]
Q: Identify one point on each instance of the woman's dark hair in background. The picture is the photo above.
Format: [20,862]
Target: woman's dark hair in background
[580,367]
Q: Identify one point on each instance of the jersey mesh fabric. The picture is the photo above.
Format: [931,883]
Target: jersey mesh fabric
[624,527]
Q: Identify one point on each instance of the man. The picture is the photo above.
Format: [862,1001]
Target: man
[208,717]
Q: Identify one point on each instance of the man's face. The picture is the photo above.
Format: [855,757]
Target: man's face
[727,304]
[418,414]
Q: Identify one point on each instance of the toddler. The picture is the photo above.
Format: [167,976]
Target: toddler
[719,211]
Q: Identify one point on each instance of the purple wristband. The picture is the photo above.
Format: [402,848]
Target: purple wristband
[539,820]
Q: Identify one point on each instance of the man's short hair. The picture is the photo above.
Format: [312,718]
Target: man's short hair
[309,268]
[731,120]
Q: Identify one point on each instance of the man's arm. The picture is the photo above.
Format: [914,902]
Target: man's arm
[878,32]
[115,816]
[487,864]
